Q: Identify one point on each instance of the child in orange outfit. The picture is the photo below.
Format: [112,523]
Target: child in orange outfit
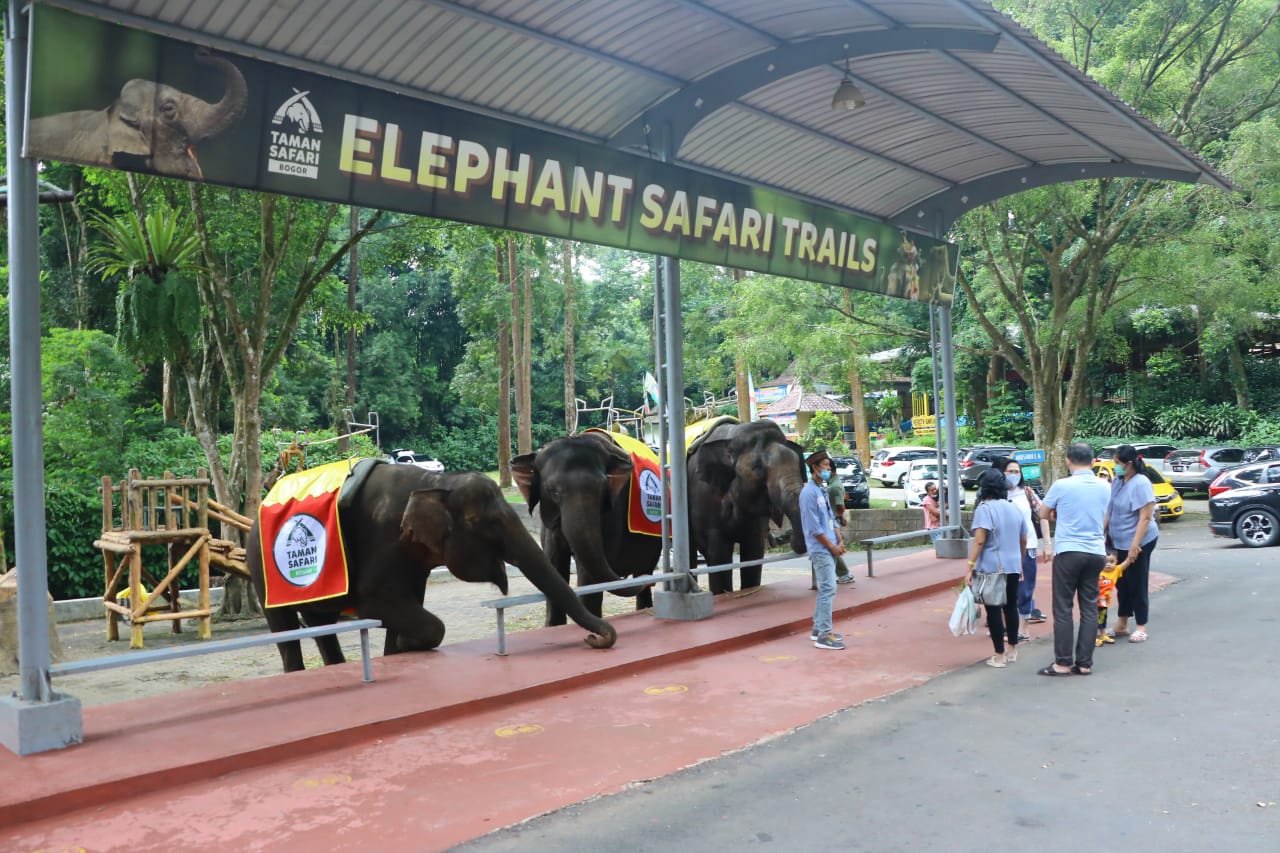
[1111,572]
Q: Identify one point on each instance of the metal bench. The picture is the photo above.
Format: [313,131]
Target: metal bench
[229,645]
[871,543]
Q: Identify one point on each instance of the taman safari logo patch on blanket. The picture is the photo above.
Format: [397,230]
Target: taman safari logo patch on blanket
[644,498]
[303,558]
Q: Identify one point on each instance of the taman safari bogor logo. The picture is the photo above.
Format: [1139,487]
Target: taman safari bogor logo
[651,492]
[296,132]
[300,548]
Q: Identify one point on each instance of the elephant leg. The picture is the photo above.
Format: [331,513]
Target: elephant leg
[594,602]
[286,619]
[330,648]
[719,552]
[417,630]
[752,549]
[644,598]
[557,552]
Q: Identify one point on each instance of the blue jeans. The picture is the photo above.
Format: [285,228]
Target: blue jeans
[824,571]
[1027,589]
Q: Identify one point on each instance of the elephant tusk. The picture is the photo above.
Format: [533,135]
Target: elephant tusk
[191,152]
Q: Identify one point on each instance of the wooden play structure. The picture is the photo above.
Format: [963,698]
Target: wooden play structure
[173,513]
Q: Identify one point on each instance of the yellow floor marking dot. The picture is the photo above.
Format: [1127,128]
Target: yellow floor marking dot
[777,658]
[518,729]
[320,782]
[665,689]
[60,850]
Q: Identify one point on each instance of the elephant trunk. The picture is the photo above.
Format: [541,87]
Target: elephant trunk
[211,119]
[523,553]
[787,499]
[582,529]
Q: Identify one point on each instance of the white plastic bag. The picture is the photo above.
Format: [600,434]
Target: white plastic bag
[964,617]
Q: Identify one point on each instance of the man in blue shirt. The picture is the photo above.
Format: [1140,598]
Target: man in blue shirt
[823,545]
[1078,504]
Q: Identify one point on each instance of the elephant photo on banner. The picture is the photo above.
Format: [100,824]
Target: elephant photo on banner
[398,522]
[593,508]
[149,127]
[741,477]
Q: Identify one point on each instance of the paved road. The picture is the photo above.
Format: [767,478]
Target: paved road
[1169,746]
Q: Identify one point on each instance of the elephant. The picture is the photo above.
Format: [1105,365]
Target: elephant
[582,483]
[398,524]
[150,126]
[741,475]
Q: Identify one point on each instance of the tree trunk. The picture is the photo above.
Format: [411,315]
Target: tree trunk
[504,389]
[744,389]
[570,383]
[1236,374]
[861,433]
[525,432]
[353,282]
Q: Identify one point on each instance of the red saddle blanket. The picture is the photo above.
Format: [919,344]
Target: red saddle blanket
[644,498]
[303,558]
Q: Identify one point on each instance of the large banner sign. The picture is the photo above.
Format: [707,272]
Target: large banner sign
[106,95]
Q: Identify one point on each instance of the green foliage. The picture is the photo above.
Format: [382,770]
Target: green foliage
[1118,420]
[73,519]
[823,434]
[1006,420]
[1262,431]
[1183,421]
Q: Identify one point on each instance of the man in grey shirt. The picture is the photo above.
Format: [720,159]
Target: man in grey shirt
[1078,504]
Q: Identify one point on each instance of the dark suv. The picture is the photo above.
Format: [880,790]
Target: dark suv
[975,460]
[857,490]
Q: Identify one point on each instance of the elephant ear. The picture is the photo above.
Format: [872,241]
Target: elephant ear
[717,460]
[126,118]
[527,479]
[426,522]
[618,470]
[799,451]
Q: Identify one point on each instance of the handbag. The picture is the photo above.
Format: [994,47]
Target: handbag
[990,588]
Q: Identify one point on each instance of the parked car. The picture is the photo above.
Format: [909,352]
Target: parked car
[404,456]
[1244,476]
[857,489]
[1185,469]
[1257,453]
[1169,505]
[975,460]
[889,465]
[921,472]
[1152,454]
[1250,514]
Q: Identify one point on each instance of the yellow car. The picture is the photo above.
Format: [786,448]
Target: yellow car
[1168,501]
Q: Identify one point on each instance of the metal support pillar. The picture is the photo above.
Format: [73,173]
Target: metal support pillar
[950,547]
[37,719]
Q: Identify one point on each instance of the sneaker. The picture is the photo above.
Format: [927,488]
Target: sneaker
[845,579]
[1036,616]
[829,641]
[813,635]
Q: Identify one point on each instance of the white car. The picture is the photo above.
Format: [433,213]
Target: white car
[889,465]
[920,473]
[426,461]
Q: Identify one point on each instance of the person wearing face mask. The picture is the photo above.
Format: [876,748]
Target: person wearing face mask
[1039,546]
[822,538]
[1131,526]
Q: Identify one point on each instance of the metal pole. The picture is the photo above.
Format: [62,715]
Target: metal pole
[659,371]
[938,447]
[24,346]
[674,340]
[949,402]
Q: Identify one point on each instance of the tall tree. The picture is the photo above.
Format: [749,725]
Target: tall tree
[570,384]
[1053,262]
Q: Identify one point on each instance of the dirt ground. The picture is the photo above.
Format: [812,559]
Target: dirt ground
[454,601]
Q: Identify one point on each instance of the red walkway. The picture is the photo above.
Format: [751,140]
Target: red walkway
[449,745]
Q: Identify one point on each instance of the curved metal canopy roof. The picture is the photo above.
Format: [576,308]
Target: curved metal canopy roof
[962,105]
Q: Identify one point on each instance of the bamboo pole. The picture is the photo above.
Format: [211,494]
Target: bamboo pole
[205,629]
[173,573]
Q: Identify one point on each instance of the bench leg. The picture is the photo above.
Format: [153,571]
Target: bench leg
[502,631]
[364,655]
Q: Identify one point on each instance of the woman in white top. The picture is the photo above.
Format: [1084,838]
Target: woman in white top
[1039,547]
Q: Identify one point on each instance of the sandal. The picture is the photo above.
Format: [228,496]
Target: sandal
[1138,636]
[1106,639]
[1078,671]
[1011,655]
[1051,672]
[997,661]
[1113,633]
[1023,638]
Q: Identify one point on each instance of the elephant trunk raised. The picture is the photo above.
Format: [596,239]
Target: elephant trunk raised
[211,119]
